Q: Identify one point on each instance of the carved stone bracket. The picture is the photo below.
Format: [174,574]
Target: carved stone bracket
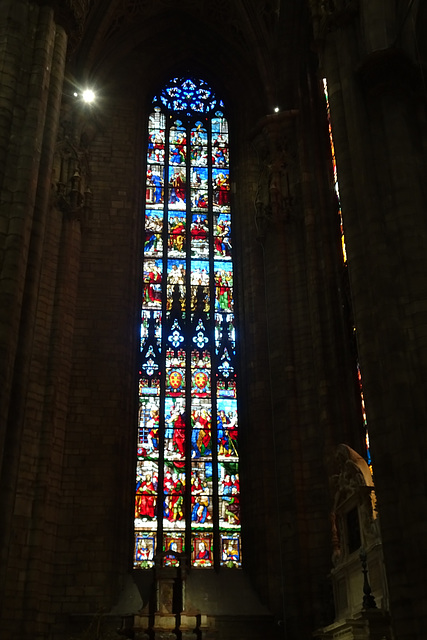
[71,14]
[263,218]
[329,15]
[391,71]
[71,170]
[275,144]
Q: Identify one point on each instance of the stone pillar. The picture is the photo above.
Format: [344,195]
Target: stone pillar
[34,279]
[27,153]
[280,235]
[307,346]
[167,603]
[378,115]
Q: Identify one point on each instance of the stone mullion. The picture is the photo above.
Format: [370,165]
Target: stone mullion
[23,235]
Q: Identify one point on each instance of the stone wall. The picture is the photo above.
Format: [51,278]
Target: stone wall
[72,183]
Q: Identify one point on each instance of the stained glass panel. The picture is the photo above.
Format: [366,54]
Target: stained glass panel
[152,295]
[176,234]
[202,555]
[230,551]
[221,189]
[144,550]
[174,546]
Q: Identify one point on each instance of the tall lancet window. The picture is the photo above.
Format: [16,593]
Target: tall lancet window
[187,501]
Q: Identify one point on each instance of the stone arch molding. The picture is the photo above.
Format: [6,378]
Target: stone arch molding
[353,488]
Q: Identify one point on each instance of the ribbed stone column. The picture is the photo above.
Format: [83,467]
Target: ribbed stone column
[22,133]
[280,233]
[33,57]
[28,107]
[259,507]
[308,378]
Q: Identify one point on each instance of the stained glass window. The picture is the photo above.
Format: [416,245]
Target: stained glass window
[344,256]
[187,501]
[334,164]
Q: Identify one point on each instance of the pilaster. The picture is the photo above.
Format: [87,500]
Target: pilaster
[300,272]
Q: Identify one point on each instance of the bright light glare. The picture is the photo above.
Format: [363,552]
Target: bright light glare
[276,109]
[88,95]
